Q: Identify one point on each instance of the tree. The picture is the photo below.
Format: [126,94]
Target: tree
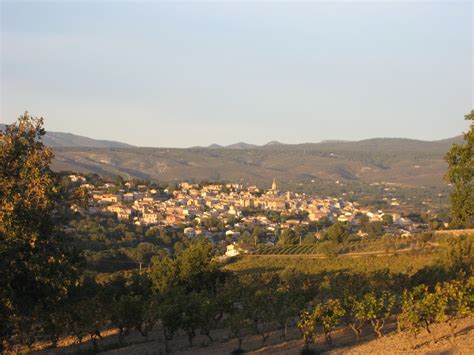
[169,312]
[237,319]
[37,264]
[459,255]
[128,312]
[195,260]
[288,237]
[457,299]
[351,304]
[86,311]
[363,220]
[460,159]
[420,309]
[328,315]
[387,219]
[257,234]
[328,248]
[374,229]
[309,238]
[307,326]
[164,274]
[376,308]
[338,232]
[293,293]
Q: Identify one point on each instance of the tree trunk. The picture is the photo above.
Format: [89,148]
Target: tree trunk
[207,333]
[142,330]
[327,337]
[452,328]
[356,330]
[168,336]
[240,343]
[427,327]
[306,345]
[54,341]
[120,336]
[191,334]
[94,342]
[377,324]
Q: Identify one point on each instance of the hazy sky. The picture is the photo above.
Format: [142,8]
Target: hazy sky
[195,73]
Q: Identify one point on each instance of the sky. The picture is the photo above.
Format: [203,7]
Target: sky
[181,74]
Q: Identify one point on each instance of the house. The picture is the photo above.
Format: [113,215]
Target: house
[233,250]
[189,232]
[149,218]
[122,212]
[128,197]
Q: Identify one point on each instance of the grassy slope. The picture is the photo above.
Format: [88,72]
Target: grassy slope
[405,263]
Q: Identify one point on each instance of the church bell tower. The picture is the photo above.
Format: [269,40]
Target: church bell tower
[274,185]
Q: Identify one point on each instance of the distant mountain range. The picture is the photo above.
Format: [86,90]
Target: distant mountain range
[239,145]
[60,139]
[406,162]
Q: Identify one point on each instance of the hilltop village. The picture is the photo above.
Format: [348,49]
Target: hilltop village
[226,211]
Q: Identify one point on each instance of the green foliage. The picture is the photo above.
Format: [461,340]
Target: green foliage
[338,232]
[307,327]
[328,248]
[376,308]
[328,315]
[457,298]
[387,219]
[185,289]
[460,254]
[374,229]
[420,309]
[288,237]
[447,302]
[37,265]
[461,175]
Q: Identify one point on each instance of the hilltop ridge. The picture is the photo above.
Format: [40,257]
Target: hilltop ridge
[62,139]
[401,161]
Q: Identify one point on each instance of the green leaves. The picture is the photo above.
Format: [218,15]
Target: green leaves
[327,315]
[37,265]
[461,175]
[307,327]
[422,307]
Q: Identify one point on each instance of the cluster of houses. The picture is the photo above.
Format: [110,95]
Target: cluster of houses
[190,204]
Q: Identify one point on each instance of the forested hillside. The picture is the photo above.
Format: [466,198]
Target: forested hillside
[398,161]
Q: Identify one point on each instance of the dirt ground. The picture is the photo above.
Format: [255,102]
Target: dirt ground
[439,342]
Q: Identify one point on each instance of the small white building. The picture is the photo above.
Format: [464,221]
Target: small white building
[233,250]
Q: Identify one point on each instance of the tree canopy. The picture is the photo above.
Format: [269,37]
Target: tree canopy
[461,175]
[37,267]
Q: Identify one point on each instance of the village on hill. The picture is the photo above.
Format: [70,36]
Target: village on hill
[219,212]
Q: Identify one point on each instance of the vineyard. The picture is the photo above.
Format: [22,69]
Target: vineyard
[288,250]
[327,248]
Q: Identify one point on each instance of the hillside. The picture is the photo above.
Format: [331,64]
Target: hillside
[405,162]
[344,343]
[61,139]
[398,161]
